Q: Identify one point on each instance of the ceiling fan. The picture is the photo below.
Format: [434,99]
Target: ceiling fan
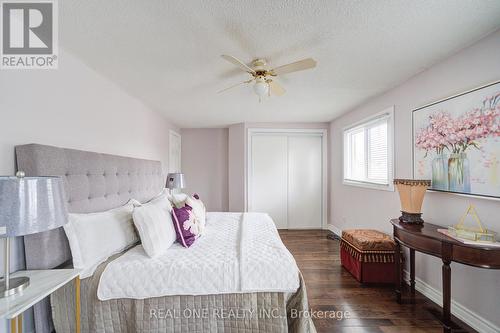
[265,83]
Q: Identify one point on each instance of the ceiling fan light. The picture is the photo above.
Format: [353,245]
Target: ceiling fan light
[261,88]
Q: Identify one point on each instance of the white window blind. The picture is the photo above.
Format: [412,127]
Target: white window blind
[368,152]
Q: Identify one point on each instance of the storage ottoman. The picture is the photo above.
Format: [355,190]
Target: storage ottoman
[368,255]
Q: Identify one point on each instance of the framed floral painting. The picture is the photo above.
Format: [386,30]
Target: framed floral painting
[456,142]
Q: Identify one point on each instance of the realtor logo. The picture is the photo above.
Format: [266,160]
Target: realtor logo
[29,34]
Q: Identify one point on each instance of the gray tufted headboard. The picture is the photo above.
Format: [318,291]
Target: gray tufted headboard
[93,182]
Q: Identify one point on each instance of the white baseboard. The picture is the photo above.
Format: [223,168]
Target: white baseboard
[466,315]
[337,231]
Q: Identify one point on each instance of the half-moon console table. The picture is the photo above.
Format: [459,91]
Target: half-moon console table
[426,239]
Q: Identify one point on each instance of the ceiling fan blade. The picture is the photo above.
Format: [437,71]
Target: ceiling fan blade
[235,85]
[238,63]
[294,66]
[276,89]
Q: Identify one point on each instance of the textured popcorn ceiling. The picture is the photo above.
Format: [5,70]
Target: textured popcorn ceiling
[167,53]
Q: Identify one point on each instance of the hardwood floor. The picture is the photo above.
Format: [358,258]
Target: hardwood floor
[372,309]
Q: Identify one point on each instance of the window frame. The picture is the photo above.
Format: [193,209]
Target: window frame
[389,112]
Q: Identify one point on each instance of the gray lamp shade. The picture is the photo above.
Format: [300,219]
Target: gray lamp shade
[175,180]
[30,205]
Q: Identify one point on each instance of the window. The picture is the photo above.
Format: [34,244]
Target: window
[368,152]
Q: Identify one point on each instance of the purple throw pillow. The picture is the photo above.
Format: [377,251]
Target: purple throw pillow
[187,227]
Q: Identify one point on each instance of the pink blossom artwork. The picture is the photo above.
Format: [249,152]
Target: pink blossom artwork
[456,142]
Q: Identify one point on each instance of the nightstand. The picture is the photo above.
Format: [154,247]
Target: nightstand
[42,284]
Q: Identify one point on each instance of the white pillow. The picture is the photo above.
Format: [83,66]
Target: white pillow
[154,224]
[95,237]
[177,199]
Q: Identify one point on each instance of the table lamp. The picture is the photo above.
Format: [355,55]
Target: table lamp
[411,194]
[175,181]
[28,205]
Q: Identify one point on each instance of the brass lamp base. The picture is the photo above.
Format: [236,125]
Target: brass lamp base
[16,285]
[411,218]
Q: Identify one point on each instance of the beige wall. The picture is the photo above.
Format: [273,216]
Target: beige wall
[74,107]
[236,167]
[205,163]
[478,290]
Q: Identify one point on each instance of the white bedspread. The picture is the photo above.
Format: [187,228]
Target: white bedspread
[238,253]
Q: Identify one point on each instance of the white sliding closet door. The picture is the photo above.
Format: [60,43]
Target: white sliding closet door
[268,178]
[285,178]
[305,182]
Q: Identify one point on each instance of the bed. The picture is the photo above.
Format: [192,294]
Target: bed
[247,279]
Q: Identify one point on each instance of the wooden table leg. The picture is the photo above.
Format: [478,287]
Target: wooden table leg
[77,305]
[446,297]
[412,272]
[397,270]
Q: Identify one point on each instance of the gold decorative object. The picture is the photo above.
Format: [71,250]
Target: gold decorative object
[478,234]
[411,193]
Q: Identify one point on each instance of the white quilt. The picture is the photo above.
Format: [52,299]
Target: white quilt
[239,253]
